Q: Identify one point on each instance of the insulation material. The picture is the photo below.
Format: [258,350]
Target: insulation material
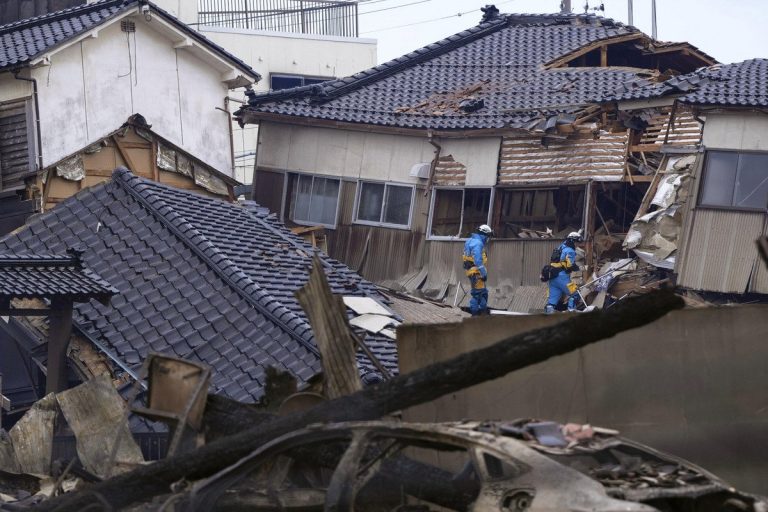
[71,169]
[209,182]
[537,160]
[166,158]
[655,236]
[364,305]
[184,165]
[449,172]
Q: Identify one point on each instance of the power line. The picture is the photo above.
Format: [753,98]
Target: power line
[457,15]
[395,7]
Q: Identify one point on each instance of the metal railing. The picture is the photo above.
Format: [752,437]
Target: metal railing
[321,17]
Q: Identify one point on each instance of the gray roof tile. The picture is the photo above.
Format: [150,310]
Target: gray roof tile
[504,55]
[742,84]
[184,303]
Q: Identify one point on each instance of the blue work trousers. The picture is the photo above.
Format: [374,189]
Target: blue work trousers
[558,288]
[479,301]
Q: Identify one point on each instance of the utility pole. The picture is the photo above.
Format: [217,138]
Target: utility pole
[565,7]
[653,16]
[630,13]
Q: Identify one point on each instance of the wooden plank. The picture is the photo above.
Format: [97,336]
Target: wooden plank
[124,154]
[590,47]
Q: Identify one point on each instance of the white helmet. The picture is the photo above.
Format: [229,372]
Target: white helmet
[485,229]
[575,235]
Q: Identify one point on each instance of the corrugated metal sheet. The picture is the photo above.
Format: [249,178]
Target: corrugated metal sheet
[527,160]
[685,129]
[449,172]
[14,145]
[720,253]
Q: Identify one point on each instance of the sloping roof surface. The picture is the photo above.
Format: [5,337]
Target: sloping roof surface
[22,41]
[743,84]
[198,278]
[47,276]
[500,61]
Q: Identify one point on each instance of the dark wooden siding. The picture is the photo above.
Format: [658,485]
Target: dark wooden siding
[268,189]
[14,146]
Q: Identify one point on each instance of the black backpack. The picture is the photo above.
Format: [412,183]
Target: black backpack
[549,272]
[557,253]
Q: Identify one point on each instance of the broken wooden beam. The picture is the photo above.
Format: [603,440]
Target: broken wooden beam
[371,403]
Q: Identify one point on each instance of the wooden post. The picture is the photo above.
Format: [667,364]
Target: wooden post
[59,333]
[604,56]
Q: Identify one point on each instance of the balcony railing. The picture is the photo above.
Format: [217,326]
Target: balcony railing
[321,17]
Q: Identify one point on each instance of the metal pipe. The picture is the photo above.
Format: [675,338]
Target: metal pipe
[37,117]
[231,134]
[653,18]
[630,14]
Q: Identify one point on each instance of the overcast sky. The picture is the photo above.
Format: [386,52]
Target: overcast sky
[729,30]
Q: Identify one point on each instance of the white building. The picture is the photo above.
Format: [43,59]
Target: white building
[297,43]
[69,78]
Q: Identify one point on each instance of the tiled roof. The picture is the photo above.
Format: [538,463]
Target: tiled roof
[500,62]
[22,41]
[743,84]
[49,276]
[198,278]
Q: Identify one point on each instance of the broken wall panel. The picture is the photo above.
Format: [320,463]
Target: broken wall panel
[32,437]
[518,211]
[96,414]
[685,130]
[536,160]
[720,252]
[449,172]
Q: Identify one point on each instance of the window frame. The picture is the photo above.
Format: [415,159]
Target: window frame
[703,181]
[287,194]
[381,223]
[303,78]
[432,200]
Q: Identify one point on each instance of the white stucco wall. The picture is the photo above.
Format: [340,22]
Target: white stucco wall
[345,153]
[736,131]
[12,89]
[479,155]
[92,87]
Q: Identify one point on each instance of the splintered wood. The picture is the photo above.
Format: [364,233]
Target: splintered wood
[333,335]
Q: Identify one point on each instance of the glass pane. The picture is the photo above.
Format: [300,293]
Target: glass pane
[325,196]
[398,208]
[302,198]
[752,181]
[446,217]
[370,201]
[278,82]
[719,178]
[477,202]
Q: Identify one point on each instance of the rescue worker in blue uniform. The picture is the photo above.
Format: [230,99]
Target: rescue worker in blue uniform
[561,285]
[475,261]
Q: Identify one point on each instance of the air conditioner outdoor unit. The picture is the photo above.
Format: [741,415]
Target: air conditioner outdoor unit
[421,170]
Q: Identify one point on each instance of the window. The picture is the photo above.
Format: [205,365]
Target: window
[384,204]
[314,199]
[521,211]
[458,212]
[278,82]
[16,148]
[735,180]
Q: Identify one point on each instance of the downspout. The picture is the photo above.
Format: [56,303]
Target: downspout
[231,134]
[37,117]
[433,167]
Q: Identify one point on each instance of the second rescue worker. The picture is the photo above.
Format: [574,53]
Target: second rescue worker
[475,261]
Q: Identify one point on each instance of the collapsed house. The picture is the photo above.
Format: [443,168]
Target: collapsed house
[708,201]
[68,78]
[496,125]
[197,278]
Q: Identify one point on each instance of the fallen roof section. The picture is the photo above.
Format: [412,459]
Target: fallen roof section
[741,84]
[491,76]
[199,278]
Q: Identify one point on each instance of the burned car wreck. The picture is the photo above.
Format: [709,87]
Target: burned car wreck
[489,466]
